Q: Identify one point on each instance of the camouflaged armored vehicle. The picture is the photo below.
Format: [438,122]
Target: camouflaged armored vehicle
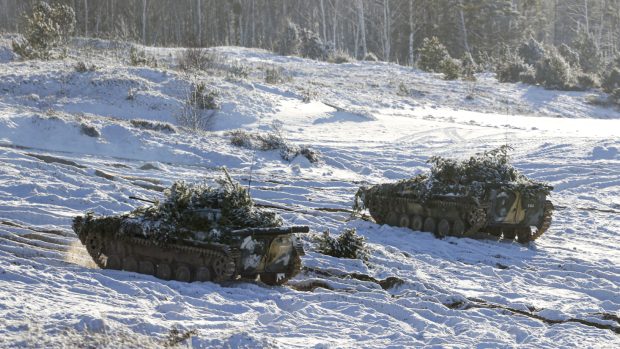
[198,233]
[483,196]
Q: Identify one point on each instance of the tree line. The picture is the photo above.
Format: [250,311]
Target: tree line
[393,30]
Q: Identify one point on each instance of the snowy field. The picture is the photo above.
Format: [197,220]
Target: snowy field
[415,291]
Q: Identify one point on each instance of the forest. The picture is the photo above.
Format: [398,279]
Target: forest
[392,30]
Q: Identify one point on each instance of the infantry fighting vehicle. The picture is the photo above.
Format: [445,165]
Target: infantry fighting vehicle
[479,197]
[198,233]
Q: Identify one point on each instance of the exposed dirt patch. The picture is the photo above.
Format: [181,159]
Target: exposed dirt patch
[52,159]
[473,303]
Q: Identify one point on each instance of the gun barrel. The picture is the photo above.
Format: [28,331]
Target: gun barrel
[141,199]
[272,231]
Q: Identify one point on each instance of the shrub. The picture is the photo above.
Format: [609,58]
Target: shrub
[432,55]
[81,67]
[403,90]
[597,100]
[203,98]
[469,66]
[140,58]
[308,94]
[347,245]
[237,71]
[311,45]
[615,96]
[371,57]
[571,56]
[176,337]
[451,68]
[611,81]
[274,75]
[553,72]
[47,27]
[258,141]
[510,67]
[199,108]
[532,51]
[290,40]
[314,156]
[587,81]
[195,59]
[339,57]
[131,94]
[528,76]
[590,58]
[153,125]
[273,140]
[89,130]
[614,63]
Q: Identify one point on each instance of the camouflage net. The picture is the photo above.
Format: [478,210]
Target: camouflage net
[190,211]
[468,178]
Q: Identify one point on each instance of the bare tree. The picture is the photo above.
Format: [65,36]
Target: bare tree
[85,17]
[199,12]
[463,27]
[144,19]
[362,27]
[412,32]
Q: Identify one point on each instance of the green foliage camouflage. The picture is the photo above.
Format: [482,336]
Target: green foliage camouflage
[468,178]
[346,245]
[190,211]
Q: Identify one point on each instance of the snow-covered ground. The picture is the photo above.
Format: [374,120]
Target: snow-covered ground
[561,291]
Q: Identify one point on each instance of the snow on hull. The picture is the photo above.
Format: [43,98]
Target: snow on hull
[454,292]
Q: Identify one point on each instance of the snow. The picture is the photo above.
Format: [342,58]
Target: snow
[51,294]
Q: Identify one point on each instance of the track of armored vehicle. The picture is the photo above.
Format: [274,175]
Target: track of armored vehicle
[503,215]
[272,253]
[483,196]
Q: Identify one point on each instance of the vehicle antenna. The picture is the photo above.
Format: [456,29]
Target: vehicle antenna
[251,170]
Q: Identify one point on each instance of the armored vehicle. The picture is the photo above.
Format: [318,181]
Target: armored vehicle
[198,233]
[483,196]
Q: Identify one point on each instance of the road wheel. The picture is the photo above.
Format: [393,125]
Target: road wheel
[114,262]
[443,228]
[393,219]
[524,235]
[458,227]
[429,225]
[182,273]
[163,271]
[273,279]
[203,274]
[495,231]
[146,267]
[509,234]
[417,223]
[130,264]
[404,221]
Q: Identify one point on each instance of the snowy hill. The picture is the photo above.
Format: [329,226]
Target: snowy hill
[67,145]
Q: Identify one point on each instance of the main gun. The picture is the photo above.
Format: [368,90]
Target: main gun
[271,231]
